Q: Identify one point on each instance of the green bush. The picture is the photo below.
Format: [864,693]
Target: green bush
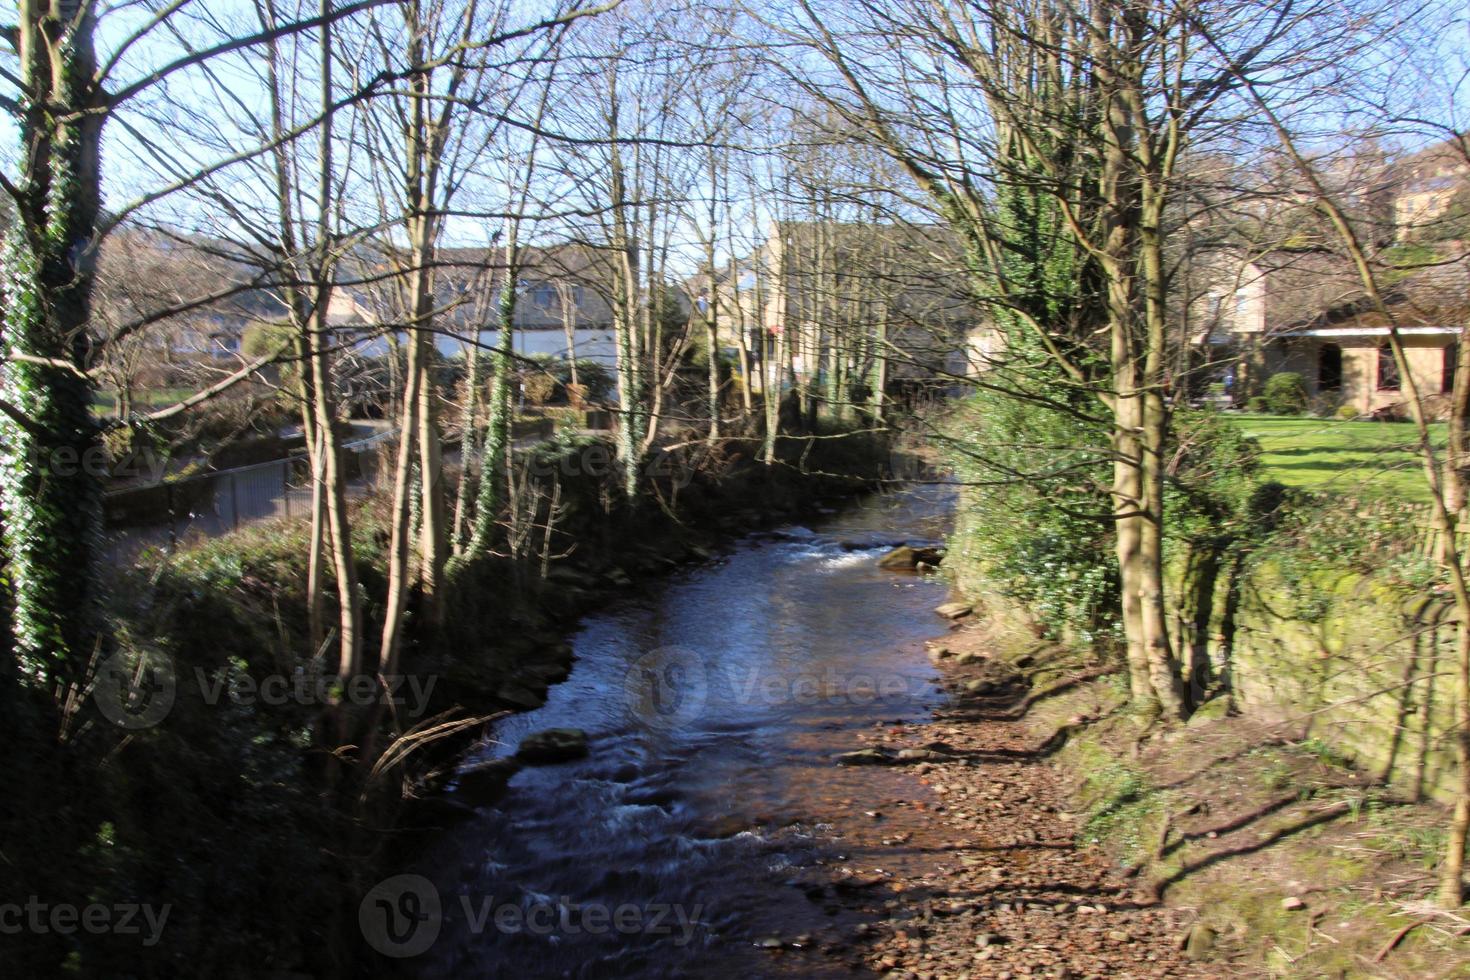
[1028,523]
[1257,404]
[1286,394]
[1346,412]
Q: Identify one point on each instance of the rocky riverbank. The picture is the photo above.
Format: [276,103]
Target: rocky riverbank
[1031,829]
[961,855]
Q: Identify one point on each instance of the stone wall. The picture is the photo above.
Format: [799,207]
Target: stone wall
[1362,664]
[1358,662]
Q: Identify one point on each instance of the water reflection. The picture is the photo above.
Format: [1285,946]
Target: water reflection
[713,707]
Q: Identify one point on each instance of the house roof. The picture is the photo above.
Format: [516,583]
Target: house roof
[1432,297]
[467,282]
[177,281]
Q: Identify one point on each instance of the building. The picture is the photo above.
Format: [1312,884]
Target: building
[563,304]
[892,299]
[1307,313]
[1429,191]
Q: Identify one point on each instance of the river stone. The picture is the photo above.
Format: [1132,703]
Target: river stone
[906,558]
[520,696]
[484,783]
[1199,942]
[567,575]
[553,745]
[955,610]
[546,673]
[425,812]
[865,757]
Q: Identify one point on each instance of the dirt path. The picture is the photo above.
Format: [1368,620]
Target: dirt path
[960,860]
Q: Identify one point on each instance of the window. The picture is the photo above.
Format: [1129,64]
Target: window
[544,296]
[1447,371]
[1329,368]
[1388,371]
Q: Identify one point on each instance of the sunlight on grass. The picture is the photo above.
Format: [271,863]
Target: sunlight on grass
[105,402]
[1352,457]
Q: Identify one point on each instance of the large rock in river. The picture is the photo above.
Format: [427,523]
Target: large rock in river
[904,558]
[955,610]
[553,745]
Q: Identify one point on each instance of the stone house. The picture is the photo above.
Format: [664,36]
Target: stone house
[1306,313]
[563,291]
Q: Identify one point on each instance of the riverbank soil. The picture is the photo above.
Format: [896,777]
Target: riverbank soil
[1034,829]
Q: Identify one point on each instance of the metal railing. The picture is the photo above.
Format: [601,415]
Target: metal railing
[225,500]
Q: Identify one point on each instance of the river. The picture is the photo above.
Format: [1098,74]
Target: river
[714,704]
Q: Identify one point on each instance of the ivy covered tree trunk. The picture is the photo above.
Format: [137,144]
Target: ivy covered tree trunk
[497,428]
[50,494]
[468,451]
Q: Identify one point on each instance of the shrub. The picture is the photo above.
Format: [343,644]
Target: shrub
[540,388]
[1286,394]
[1346,412]
[595,377]
[1048,551]
[594,380]
[1257,404]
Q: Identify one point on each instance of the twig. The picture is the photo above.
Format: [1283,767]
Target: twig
[1398,937]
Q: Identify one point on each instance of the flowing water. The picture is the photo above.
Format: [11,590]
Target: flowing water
[714,705]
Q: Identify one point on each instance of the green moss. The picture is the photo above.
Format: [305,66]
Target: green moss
[1125,809]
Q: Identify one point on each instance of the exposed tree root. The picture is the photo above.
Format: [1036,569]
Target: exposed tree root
[1397,938]
[1154,890]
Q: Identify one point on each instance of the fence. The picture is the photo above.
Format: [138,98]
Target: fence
[225,500]
[1427,537]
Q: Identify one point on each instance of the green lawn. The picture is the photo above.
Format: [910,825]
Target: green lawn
[105,402]
[1368,458]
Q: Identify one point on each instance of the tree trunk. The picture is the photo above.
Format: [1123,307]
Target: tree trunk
[468,458]
[1452,866]
[399,532]
[339,531]
[742,343]
[52,508]
[494,466]
[771,352]
[1457,449]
